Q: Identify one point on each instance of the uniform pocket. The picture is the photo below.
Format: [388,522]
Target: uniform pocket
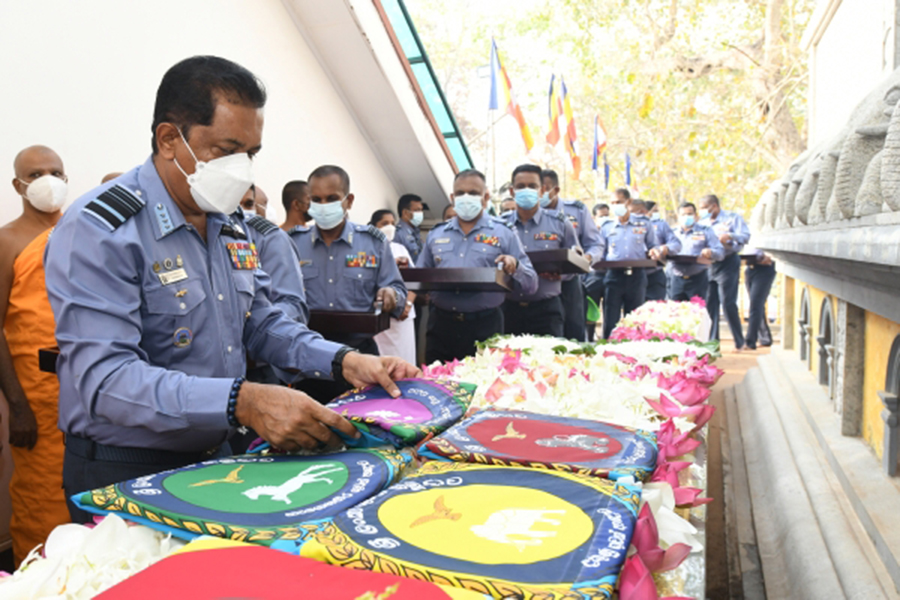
[175,299]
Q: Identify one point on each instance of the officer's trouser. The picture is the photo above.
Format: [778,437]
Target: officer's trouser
[542,317]
[594,288]
[453,335]
[684,288]
[656,285]
[723,287]
[324,391]
[572,297]
[88,465]
[622,291]
[758,279]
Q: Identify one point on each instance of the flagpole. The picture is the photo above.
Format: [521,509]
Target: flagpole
[493,160]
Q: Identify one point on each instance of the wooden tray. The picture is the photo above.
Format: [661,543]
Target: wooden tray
[562,260]
[485,279]
[750,259]
[329,322]
[627,264]
[687,259]
[47,359]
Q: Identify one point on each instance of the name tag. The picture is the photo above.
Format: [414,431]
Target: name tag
[698,237]
[170,277]
[442,241]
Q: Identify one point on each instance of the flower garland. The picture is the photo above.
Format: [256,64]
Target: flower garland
[679,321]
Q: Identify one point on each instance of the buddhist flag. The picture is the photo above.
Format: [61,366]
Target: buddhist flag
[502,96]
[627,169]
[571,137]
[605,173]
[599,143]
[556,110]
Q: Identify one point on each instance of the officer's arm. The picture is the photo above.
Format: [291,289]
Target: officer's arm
[571,237]
[672,241]
[389,277]
[95,291]
[426,257]
[713,243]
[525,278]
[279,259]
[740,233]
[590,235]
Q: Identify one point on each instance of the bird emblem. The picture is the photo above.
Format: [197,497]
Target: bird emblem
[441,512]
[232,477]
[511,434]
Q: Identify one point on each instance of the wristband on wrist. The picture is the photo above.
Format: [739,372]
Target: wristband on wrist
[232,401]
[337,365]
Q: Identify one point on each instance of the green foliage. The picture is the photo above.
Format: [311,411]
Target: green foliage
[687,135]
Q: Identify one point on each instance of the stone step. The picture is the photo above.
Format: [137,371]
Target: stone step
[811,539]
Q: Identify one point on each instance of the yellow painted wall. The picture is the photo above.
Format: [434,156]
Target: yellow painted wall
[880,335]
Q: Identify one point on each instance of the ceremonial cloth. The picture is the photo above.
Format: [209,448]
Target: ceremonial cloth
[425,408]
[258,499]
[507,437]
[500,531]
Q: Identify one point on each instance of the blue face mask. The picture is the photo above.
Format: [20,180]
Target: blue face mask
[619,210]
[545,200]
[655,216]
[468,206]
[327,215]
[704,213]
[417,217]
[687,221]
[526,198]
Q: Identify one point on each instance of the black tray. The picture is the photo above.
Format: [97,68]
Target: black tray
[562,260]
[485,279]
[329,322]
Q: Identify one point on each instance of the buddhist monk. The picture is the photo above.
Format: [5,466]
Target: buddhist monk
[38,502]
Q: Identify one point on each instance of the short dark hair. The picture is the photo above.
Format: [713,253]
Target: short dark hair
[377,216]
[291,191]
[186,94]
[406,200]
[687,205]
[711,198]
[444,213]
[469,173]
[599,207]
[328,170]
[551,175]
[638,204]
[624,193]
[650,204]
[526,168]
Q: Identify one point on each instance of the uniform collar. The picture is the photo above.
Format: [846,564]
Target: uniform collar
[536,218]
[485,220]
[346,234]
[404,225]
[167,216]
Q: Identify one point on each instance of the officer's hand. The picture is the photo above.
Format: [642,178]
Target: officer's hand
[706,253]
[765,260]
[289,419]
[402,262]
[364,369]
[410,300]
[510,264]
[550,276]
[655,254]
[725,238]
[388,299]
[22,425]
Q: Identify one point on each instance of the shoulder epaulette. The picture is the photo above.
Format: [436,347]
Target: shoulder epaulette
[577,204]
[299,229]
[375,233]
[261,224]
[561,216]
[114,206]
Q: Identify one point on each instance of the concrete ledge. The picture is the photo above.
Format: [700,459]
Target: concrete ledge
[874,497]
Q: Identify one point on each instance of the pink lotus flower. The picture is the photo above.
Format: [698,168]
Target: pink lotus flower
[646,541]
[698,301]
[636,582]
[512,361]
[665,407]
[439,370]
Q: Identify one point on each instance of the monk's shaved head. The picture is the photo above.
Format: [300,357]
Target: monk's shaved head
[35,159]
[110,177]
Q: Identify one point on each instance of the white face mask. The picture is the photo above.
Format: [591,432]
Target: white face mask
[217,186]
[619,210]
[417,217]
[389,231]
[467,206]
[47,193]
[247,213]
[704,213]
[327,215]
[270,213]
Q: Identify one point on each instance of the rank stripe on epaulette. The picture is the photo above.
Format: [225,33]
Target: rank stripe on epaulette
[114,206]
[376,233]
[261,224]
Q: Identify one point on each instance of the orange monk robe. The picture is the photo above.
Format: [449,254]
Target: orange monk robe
[36,494]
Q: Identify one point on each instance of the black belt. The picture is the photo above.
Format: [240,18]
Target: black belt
[536,303]
[91,450]
[465,316]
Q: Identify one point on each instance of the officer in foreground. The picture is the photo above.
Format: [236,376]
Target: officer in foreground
[471,239]
[155,313]
[687,281]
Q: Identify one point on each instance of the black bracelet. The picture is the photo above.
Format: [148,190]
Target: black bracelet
[232,401]
[337,365]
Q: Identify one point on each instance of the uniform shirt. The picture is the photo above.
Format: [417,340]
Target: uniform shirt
[629,241]
[447,247]
[547,230]
[279,259]
[410,237]
[154,323]
[733,223]
[693,241]
[347,275]
[585,228]
[663,234]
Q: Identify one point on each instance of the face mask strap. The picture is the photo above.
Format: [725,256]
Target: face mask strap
[191,150]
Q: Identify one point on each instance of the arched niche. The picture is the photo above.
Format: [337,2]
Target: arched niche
[803,328]
[890,396]
[826,346]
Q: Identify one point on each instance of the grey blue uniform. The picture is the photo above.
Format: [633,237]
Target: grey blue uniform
[409,237]
[457,320]
[656,277]
[758,278]
[574,325]
[539,312]
[688,281]
[725,275]
[154,324]
[279,258]
[625,288]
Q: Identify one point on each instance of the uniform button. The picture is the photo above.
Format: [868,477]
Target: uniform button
[183,306]
[317,374]
[221,297]
[330,258]
[331,305]
[230,348]
[460,255]
[331,281]
[359,275]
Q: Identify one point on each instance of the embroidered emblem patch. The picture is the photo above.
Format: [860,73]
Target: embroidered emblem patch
[546,237]
[639,231]
[183,337]
[243,255]
[489,240]
[362,259]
